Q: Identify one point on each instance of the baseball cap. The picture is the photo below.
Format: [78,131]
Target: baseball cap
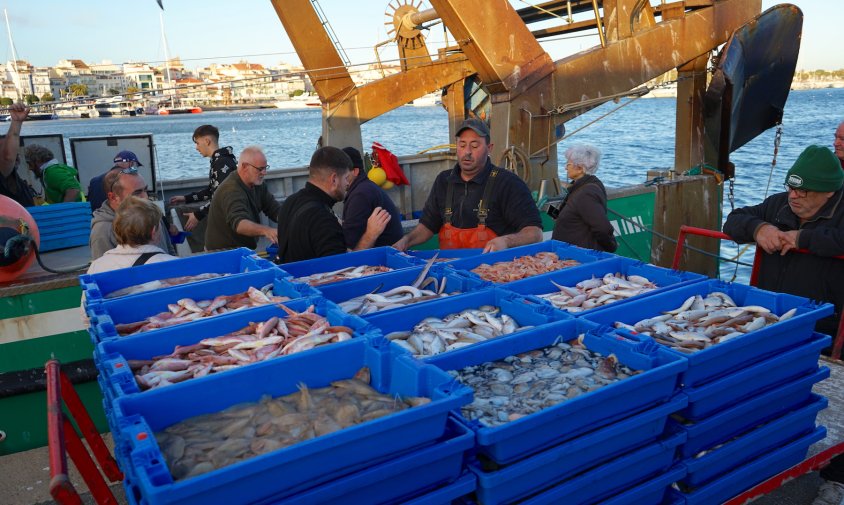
[476,125]
[127,156]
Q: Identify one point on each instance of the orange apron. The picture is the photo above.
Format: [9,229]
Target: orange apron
[452,237]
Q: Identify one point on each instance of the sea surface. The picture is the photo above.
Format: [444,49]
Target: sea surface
[634,139]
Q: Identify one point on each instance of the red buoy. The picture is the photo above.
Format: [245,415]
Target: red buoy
[15,225]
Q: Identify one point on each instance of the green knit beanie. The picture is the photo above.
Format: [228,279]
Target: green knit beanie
[816,169]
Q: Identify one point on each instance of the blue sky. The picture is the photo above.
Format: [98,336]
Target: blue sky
[201,32]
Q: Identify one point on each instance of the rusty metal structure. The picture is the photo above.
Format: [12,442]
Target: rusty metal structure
[498,71]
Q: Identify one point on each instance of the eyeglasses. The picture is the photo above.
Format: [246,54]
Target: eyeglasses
[122,171]
[260,169]
[800,193]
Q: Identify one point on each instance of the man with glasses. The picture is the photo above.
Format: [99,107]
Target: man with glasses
[119,184]
[838,143]
[206,139]
[96,191]
[234,218]
[808,215]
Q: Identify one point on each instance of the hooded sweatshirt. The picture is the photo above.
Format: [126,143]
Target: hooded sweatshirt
[103,238]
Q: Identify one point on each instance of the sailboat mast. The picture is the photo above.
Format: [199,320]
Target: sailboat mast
[14,57]
[166,54]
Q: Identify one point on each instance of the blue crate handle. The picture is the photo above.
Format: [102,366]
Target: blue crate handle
[647,347]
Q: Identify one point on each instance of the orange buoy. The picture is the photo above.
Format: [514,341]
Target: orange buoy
[15,225]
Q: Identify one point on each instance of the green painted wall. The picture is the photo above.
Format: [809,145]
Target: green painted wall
[633,241]
[41,301]
[33,353]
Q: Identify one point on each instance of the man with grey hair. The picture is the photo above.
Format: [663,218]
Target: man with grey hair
[234,217]
[60,181]
[582,220]
[119,184]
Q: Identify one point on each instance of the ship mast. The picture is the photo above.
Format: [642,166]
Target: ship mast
[14,57]
[166,59]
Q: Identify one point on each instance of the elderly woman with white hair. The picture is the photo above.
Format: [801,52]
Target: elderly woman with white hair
[583,217]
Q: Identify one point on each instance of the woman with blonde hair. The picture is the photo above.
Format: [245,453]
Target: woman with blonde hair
[583,217]
[136,227]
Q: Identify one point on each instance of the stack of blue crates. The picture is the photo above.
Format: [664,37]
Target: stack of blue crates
[750,408]
[62,225]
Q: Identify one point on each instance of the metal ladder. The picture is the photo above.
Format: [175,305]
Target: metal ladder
[330,31]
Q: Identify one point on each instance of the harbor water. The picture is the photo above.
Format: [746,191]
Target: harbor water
[634,139]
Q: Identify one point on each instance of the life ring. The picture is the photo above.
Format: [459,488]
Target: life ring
[16,228]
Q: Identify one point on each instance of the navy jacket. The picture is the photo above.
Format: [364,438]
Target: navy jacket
[362,198]
[307,227]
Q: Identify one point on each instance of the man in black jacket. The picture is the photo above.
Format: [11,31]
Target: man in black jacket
[206,139]
[808,215]
[307,227]
[362,198]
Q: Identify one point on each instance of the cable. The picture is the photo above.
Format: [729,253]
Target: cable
[56,271]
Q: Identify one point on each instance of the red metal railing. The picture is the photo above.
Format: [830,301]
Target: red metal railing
[63,439]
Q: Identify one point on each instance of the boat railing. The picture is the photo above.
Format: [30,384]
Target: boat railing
[685,230]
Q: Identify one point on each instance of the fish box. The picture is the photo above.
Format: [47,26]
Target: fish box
[444,255]
[728,390]
[454,282]
[287,471]
[652,492]
[379,256]
[757,442]
[563,250]
[664,278]
[561,462]
[62,225]
[397,480]
[602,481]
[104,316]
[97,287]
[764,407]
[724,358]
[522,310]
[533,433]
[758,470]
[448,494]
[113,355]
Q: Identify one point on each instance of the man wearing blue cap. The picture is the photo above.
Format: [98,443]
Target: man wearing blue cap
[96,191]
[808,215]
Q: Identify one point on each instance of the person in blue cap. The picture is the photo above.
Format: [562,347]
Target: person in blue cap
[96,191]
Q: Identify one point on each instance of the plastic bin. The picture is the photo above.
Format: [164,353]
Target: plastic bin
[561,249]
[386,256]
[444,255]
[652,492]
[722,359]
[747,476]
[523,311]
[611,478]
[664,278]
[455,282]
[303,465]
[526,436]
[447,494]
[757,442]
[728,390]
[116,378]
[561,462]
[104,316]
[396,480]
[96,287]
[764,407]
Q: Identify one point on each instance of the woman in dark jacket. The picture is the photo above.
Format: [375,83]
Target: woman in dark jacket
[583,217]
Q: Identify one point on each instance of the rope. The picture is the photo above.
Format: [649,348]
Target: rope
[435,148]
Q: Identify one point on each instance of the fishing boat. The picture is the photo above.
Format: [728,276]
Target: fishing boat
[527,100]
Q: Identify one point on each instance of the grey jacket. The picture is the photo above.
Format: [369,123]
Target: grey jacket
[583,218]
[103,238]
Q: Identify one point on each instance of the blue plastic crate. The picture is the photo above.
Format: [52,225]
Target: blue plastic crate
[62,225]
[445,255]
[523,311]
[664,278]
[455,282]
[64,239]
[116,378]
[561,249]
[609,479]
[104,316]
[447,494]
[728,390]
[722,359]
[526,436]
[385,256]
[747,476]
[752,412]
[754,444]
[96,287]
[303,465]
[652,492]
[561,462]
[396,480]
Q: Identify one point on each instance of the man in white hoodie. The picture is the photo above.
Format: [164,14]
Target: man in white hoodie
[119,185]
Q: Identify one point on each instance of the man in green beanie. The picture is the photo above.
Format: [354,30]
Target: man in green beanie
[808,215]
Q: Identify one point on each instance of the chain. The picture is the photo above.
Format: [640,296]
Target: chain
[777,140]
